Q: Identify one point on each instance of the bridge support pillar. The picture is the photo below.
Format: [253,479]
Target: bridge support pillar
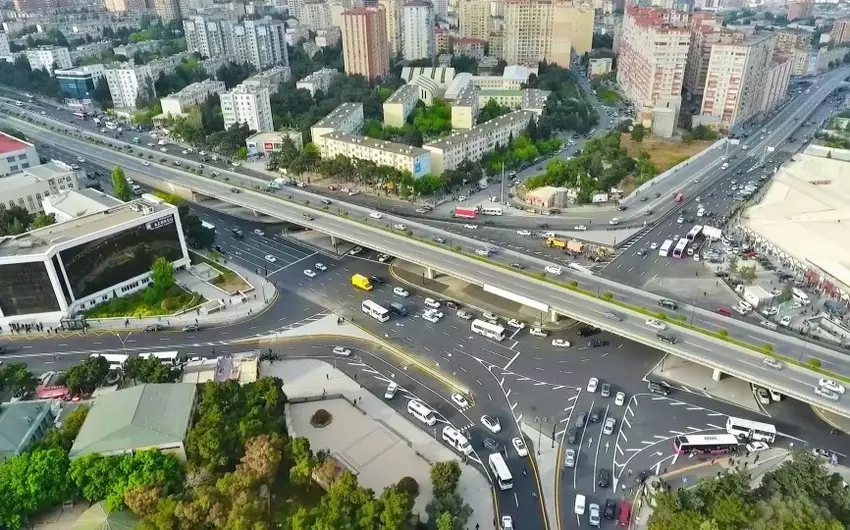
[430,273]
[334,242]
[256,213]
[553,316]
[716,375]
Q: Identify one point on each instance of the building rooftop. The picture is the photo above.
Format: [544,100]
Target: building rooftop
[469,40]
[38,242]
[10,144]
[383,145]
[468,96]
[404,93]
[535,98]
[206,85]
[440,75]
[319,74]
[338,115]
[77,203]
[17,420]
[80,71]
[482,129]
[140,416]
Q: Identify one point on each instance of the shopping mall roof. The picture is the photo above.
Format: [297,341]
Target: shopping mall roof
[10,144]
[805,212]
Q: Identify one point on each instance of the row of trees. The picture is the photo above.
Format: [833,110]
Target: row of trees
[568,108]
[16,220]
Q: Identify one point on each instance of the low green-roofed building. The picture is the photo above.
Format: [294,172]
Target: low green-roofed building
[153,416]
[22,424]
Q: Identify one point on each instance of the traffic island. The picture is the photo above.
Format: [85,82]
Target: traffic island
[698,379]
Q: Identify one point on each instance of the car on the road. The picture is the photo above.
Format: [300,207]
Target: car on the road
[400,227]
[270,258]
[259,232]
[163,149]
[430,317]
[658,387]
[592,385]
[421,210]
[483,252]
[552,269]
[355,251]
[341,351]
[826,393]
[616,317]
[470,226]
[771,362]
[436,312]
[610,423]
[392,388]
[518,266]
[154,327]
[680,220]
[401,291]
[586,331]
[376,215]
[570,457]
[383,258]
[620,399]
[537,332]
[596,343]
[571,436]
[755,447]
[439,240]
[310,273]
[146,163]
[580,228]
[610,509]
[430,302]
[560,343]
[593,514]
[785,321]
[519,446]
[514,323]
[641,252]
[624,518]
[524,233]
[614,221]
[460,400]
[507,522]
[605,390]
[490,316]
[655,324]
[463,315]
[320,267]
[603,478]
[492,424]
[377,280]
[831,385]
[653,246]
[192,327]
[491,445]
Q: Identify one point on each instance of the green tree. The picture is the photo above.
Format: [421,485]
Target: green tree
[638,133]
[162,275]
[787,292]
[120,186]
[445,477]
[445,522]
[31,482]
[43,220]
[732,264]
[452,504]
[17,379]
[83,378]
[242,153]
[149,370]
[303,462]
[396,509]
[748,274]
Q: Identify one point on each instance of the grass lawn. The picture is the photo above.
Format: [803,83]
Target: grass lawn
[606,95]
[663,153]
[228,281]
[139,305]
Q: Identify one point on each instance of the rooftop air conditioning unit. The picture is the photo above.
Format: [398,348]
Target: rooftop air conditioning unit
[136,206]
[147,209]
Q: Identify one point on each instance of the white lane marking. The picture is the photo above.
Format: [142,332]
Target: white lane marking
[511,361]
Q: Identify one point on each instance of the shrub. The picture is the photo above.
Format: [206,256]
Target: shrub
[607,295]
[723,333]
[814,362]
[458,249]
[408,485]
[572,284]
[661,316]
[321,418]
[345,214]
[540,275]
[306,203]
[767,347]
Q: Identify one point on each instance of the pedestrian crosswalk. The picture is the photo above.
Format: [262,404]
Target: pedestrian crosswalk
[296,325]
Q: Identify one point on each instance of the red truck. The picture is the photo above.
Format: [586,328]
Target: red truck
[679,197]
[466,213]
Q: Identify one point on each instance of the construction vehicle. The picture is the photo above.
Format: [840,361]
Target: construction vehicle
[555,242]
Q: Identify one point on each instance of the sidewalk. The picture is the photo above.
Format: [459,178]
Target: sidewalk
[471,296]
[306,379]
[545,458]
[259,296]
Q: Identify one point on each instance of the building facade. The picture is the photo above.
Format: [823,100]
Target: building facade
[798,43]
[29,186]
[261,43]
[400,104]
[49,57]
[4,44]
[417,30]
[179,102]
[328,37]
[346,118]
[474,19]
[167,10]
[470,47]
[366,49]
[315,15]
[383,153]
[546,30]
[318,80]
[705,29]
[800,9]
[776,82]
[212,37]
[840,32]
[15,155]
[249,105]
[79,83]
[23,424]
[127,82]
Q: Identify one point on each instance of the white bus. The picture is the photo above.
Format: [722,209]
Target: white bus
[116,361]
[375,311]
[800,297]
[80,115]
[664,251]
[714,444]
[751,430]
[500,470]
[208,226]
[491,210]
[694,233]
[680,248]
[421,412]
[170,358]
[491,331]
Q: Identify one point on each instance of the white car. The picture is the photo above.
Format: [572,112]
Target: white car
[202,153]
[81,160]
[592,385]
[770,311]
[433,304]
[422,210]
[392,388]
[146,163]
[471,227]
[460,400]
[570,458]
[185,151]
[342,352]
[620,399]
[653,246]
[537,332]
[356,250]
[785,321]
[400,227]
[310,273]
[320,267]
[401,291]
[525,233]
[462,198]
[771,362]
[680,220]
[519,446]
[259,232]
[593,514]
[614,221]
[826,393]
[755,447]
[482,252]
[436,312]
[655,324]
[492,424]
[163,149]
[270,258]
[829,384]
[514,323]
[552,269]
[383,258]
[610,423]
[560,343]
[507,522]
[430,317]
[376,215]
[580,228]
[490,316]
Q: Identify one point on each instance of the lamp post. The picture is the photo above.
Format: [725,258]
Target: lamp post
[540,421]
[124,340]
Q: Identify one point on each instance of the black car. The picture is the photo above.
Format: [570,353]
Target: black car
[571,437]
[491,445]
[721,274]
[586,331]
[452,305]
[603,478]
[596,343]
[641,477]
[594,416]
[378,280]
[543,225]
[192,327]
[610,509]
[154,327]
[658,387]
[622,207]
[518,266]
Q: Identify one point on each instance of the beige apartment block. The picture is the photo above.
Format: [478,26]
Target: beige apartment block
[465,108]
[346,118]
[400,104]
[546,30]
[366,50]
[840,31]
[798,42]
[383,153]
[392,13]
[474,19]
[705,30]
[776,81]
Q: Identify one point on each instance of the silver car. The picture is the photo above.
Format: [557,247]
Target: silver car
[610,423]
[593,514]
[570,458]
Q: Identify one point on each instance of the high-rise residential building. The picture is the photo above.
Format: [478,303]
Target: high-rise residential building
[474,19]
[652,52]
[38,6]
[212,37]
[776,81]
[800,9]
[167,10]
[127,82]
[4,44]
[392,13]
[441,9]
[191,7]
[115,6]
[417,30]
[247,104]
[705,29]
[797,42]
[545,30]
[315,15]
[840,31]
[261,43]
[576,20]
[735,81]
[366,50]
[49,57]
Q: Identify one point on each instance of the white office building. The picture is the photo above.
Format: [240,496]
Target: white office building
[270,79]
[249,105]
[126,82]
[71,204]
[49,57]
[15,155]
[53,273]
[382,152]
[27,188]
[417,30]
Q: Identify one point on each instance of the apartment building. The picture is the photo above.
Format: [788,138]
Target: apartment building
[179,102]
[532,99]
[247,104]
[49,57]
[652,53]
[298,33]
[211,36]
[330,36]
[800,9]
[441,9]
[465,107]
[470,47]
[314,15]
[115,6]
[39,6]
[79,83]
[417,30]
[443,41]
[366,50]
[705,29]
[15,155]
[840,32]
[735,80]
[382,152]
[127,82]
[400,104]
[797,42]
[167,10]
[474,19]
[599,66]
[28,186]
[448,153]
[131,49]
[392,14]
[270,79]
[776,82]
[318,80]
[546,30]
[261,43]
[4,44]
[92,49]
[346,118]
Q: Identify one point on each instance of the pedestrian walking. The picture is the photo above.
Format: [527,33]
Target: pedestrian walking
[327,377]
[630,472]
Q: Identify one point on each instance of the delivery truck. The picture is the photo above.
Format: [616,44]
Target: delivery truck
[361,282]
[756,296]
[555,242]
[466,213]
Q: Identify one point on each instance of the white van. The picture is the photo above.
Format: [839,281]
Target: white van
[421,412]
[701,212]
[456,439]
[137,190]
[800,297]
[580,503]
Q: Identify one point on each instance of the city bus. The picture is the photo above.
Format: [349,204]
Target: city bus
[664,251]
[491,210]
[169,358]
[751,430]
[500,470]
[80,115]
[116,361]
[680,248]
[208,226]
[694,233]
[375,311]
[491,331]
[715,444]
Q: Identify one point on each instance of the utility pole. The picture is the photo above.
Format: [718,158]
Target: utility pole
[502,186]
